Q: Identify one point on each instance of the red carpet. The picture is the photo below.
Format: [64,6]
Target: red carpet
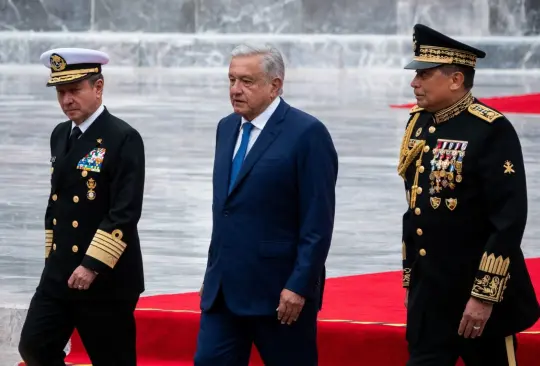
[526,103]
[363,316]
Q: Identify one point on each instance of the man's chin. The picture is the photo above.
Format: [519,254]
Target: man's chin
[72,115]
[420,101]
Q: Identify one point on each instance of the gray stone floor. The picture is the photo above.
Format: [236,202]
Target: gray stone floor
[176,112]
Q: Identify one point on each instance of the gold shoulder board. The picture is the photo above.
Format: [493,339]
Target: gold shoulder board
[415,109]
[483,112]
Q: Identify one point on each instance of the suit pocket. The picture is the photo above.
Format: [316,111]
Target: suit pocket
[272,249]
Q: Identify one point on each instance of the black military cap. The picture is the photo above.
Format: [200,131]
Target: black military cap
[432,49]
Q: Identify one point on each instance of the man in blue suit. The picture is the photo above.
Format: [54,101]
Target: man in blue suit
[274,180]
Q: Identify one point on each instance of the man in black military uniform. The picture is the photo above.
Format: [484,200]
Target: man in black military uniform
[93,273]
[468,289]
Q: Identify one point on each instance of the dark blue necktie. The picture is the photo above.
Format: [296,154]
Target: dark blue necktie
[240,154]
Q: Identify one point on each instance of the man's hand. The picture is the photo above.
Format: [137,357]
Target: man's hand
[200,291]
[81,278]
[474,319]
[290,306]
[406,298]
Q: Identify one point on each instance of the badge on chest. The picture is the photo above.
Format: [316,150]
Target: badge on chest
[447,165]
[93,160]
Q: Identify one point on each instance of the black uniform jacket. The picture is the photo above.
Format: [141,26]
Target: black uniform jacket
[466,190]
[93,209]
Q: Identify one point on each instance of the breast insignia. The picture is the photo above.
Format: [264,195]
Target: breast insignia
[483,112]
[415,109]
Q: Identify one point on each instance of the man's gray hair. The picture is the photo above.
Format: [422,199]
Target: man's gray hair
[272,61]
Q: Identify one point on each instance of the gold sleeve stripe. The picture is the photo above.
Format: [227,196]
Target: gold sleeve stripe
[103,246]
[110,242]
[48,242]
[107,248]
[494,266]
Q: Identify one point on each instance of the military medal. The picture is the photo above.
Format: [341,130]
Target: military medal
[91,194]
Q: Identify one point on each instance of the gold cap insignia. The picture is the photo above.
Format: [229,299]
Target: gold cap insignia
[58,63]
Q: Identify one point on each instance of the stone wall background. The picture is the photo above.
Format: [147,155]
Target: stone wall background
[457,17]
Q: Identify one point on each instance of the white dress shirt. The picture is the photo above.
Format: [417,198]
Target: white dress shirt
[258,124]
[84,126]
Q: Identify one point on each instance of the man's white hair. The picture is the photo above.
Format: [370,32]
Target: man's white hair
[272,61]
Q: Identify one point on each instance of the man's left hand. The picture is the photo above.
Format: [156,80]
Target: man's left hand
[290,306]
[81,278]
[474,318]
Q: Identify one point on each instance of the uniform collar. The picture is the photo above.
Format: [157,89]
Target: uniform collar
[84,126]
[445,114]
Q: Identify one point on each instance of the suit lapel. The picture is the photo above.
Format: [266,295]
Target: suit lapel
[60,155]
[225,156]
[265,139]
[82,147]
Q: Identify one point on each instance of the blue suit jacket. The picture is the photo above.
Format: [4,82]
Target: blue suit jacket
[273,231]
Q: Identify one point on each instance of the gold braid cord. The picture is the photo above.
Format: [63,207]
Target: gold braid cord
[406,156]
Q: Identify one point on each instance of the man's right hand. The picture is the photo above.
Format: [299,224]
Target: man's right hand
[200,291]
[406,298]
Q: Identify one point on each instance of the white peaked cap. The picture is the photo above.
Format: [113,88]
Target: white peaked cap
[70,65]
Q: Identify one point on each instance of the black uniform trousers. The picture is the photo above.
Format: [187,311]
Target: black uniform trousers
[226,339]
[106,328]
[439,344]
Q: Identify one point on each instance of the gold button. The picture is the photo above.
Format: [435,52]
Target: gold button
[75,199]
[417,211]
[432,129]
[423,252]
[421,169]
[419,190]
[52,170]
[84,173]
[54,197]
[426,149]
[54,247]
[419,232]
[54,221]
[75,249]
[75,224]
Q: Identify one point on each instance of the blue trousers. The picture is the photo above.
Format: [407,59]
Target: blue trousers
[226,339]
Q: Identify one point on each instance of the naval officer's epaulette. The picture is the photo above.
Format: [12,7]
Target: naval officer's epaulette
[483,112]
[415,109]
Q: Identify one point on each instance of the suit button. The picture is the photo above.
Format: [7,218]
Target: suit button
[419,232]
[225,213]
[419,190]
[75,199]
[75,249]
[54,197]
[54,247]
[421,169]
[426,149]
[417,211]
[432,129]
[75,224]
[423,252]
[84,173]
[54,221]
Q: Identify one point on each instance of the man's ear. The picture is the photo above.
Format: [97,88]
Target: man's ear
[457,80]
